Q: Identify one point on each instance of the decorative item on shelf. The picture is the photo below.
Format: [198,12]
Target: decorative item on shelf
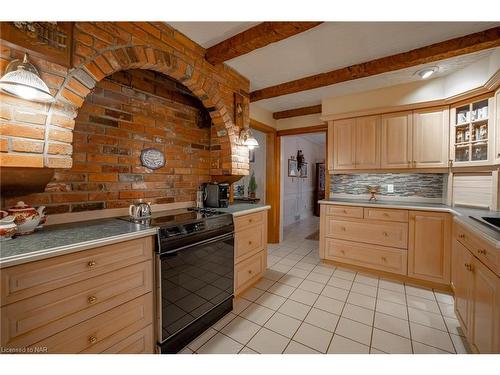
[246,136]
[239,190]
[292,167]
[373,190]
[27,218]
[7,226]
[303,170]
[140,210]
[300,159]
[252,186]
[152,158]
[22,79]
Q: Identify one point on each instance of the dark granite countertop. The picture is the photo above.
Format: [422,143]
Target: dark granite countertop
[239,209]
[461,213]
[66,238]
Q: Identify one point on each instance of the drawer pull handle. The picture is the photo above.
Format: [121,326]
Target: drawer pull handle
[342,251]
[91,263]
[249,272]
[92,339]
[342,229]
[249,242]
[384,259]
[462,236]
[468,266]
[386,214]
[344,211]
[250,220]
[385,234]
[481,251]
[92,299]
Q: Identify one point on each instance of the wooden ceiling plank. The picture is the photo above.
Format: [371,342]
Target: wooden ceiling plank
[255,37]
[295,112]
[439,51]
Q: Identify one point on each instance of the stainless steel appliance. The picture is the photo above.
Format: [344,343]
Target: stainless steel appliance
[194,273]
[139,210]
[492,222]
[215,195]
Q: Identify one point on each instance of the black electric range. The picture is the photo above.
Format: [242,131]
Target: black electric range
[194,272]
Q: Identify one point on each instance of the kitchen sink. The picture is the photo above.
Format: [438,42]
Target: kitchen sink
[492,222]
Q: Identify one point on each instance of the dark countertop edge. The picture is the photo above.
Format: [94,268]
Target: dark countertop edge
[73,248]
[439,207]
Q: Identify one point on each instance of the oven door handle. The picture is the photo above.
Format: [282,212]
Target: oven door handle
[204,242]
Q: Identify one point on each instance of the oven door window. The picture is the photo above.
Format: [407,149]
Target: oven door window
[193,281]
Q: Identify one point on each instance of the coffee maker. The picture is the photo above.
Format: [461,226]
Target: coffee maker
[215,195]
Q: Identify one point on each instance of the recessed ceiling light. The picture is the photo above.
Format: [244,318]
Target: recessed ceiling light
[427,72]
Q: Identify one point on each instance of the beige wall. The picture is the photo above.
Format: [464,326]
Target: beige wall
[262,115]
[299,122]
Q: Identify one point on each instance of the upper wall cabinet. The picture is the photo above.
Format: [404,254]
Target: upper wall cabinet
[430,138]
[356,143]
[472,133]
[396,142]
[497,130]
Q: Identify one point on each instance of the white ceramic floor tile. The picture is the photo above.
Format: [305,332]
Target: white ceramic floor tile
[314,337]
[240,304]
[392,324]
[283,324]
[376,351]
[273,275]
[305,266]
[359,314]
[354,330]
[420,292]
[426,318]
[322,319]
[303,296]
[268,342]
[318,277]
[390,343]
[241,330]
[444,298]
[453,326]
[343,345]
[419,348]
[297,272]
[297,348]
[247,350]
[366,279]
[311,286]
[391,308]
[389,295]
[271,301]
[329,304]
[280,268]
[394,286]
[460,344]
[337,282]
[447,310]
[422,304]
[361,300]
[201,339]
[288,262]
[324,269]
[220,344]
[252,294]
[257,313]
[264,284]
[291,280]
[431,336]
[294,309]
[336,293]
[221,323]
[282,290]
[367,290]
[186,350]
[344,274]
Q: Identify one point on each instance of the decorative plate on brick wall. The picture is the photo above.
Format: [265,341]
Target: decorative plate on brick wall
[152,158]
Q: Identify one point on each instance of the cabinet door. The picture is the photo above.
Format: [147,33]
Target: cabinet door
[497,125]
[344,144]
[485,307]
[461,279]
[431,138]
[429,246]
[396,140]
[367,142]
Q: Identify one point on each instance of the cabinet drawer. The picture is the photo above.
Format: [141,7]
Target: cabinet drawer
[248,241]
[103,331]
[23,281]
[481,250]
[140,342]
[249,271]
[345,211]
[33,319]
[373,232]
[243,222]
[386,215]
[370,256]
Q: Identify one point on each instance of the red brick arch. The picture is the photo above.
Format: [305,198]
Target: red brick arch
[227,157]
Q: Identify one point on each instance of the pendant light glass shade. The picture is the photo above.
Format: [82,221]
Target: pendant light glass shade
[247,139]
[21,79]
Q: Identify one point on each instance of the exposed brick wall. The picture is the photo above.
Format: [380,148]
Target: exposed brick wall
[125,113]
[39,135]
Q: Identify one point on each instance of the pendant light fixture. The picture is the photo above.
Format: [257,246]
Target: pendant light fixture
[247,138]
[21,79]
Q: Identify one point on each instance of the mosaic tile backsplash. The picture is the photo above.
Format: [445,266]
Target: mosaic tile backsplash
[423,185]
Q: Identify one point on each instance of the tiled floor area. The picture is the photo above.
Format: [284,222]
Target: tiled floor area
[304,306]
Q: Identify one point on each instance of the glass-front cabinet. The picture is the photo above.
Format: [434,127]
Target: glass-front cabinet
[472,133]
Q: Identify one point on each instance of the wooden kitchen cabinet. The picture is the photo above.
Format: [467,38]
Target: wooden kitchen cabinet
[396,140]
[462,283]
[431,138]
[497,127]
[367,143]
[429,252]
[344,144]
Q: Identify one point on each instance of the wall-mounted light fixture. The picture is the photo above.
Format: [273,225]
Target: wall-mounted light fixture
[427,72]
[247,139]
[21,79]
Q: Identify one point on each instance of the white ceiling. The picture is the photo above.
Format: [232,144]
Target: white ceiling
[330,46]
[318,138]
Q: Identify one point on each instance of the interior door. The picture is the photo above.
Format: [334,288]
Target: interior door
[367,142]
[344,144]
[396,142]
[461,278]
[431,138]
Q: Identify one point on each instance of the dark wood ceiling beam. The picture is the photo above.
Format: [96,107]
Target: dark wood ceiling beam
[255,37]
[303,111]
[439,51]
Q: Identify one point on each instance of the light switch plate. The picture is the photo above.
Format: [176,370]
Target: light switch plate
[390,188]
